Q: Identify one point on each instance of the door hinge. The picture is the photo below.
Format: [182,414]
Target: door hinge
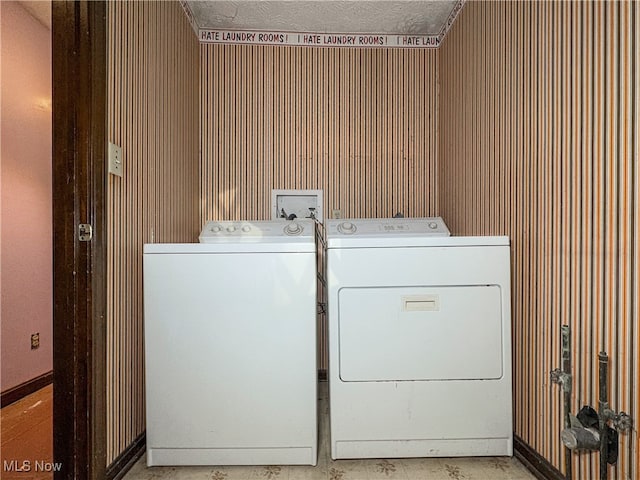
[85,232]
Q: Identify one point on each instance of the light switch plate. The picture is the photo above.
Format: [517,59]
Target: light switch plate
[115,159]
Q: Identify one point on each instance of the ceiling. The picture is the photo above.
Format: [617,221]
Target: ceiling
[403,17]
[400,17]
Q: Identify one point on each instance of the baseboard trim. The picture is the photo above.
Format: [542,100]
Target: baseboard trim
[536,463]
[18,392]
[126,459]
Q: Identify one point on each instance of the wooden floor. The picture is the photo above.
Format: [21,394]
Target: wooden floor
[26,444]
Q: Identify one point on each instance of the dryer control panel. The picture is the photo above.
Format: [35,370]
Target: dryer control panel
[388,227]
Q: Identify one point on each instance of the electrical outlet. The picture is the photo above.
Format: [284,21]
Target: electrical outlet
[115,159]
[35,341]
[336,213]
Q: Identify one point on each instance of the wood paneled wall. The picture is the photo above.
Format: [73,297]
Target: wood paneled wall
[538,140]
[153,115]
[358,123]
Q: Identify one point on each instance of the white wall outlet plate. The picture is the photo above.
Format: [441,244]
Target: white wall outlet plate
[298,203]
[115,159]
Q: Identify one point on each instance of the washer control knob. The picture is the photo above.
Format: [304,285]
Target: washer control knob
[433,225]
[246,228]
[216,229]
[347,228]
[293,229]
[231,228]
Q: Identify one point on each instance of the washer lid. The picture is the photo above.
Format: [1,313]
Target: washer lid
[260,236]
[353,232]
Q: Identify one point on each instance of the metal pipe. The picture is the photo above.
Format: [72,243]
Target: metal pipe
[566,369]
[580,438]
[603,412]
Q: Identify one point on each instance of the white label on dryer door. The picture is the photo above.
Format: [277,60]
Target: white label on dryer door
[420,333]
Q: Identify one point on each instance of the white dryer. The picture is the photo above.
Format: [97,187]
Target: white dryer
[230,342]
[419,340]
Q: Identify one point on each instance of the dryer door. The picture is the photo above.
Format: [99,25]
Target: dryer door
[420,333]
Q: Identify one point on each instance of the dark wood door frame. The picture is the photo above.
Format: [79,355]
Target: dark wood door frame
[79,267]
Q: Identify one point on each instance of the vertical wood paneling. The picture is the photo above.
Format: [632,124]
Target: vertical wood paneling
[153,116]
[360,124]
[539,141]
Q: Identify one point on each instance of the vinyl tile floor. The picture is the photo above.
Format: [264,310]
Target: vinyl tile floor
[461,468]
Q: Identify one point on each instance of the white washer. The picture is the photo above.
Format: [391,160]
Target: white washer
[230,343]
[419,340]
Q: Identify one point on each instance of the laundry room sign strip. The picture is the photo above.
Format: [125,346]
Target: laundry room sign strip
[318,39]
